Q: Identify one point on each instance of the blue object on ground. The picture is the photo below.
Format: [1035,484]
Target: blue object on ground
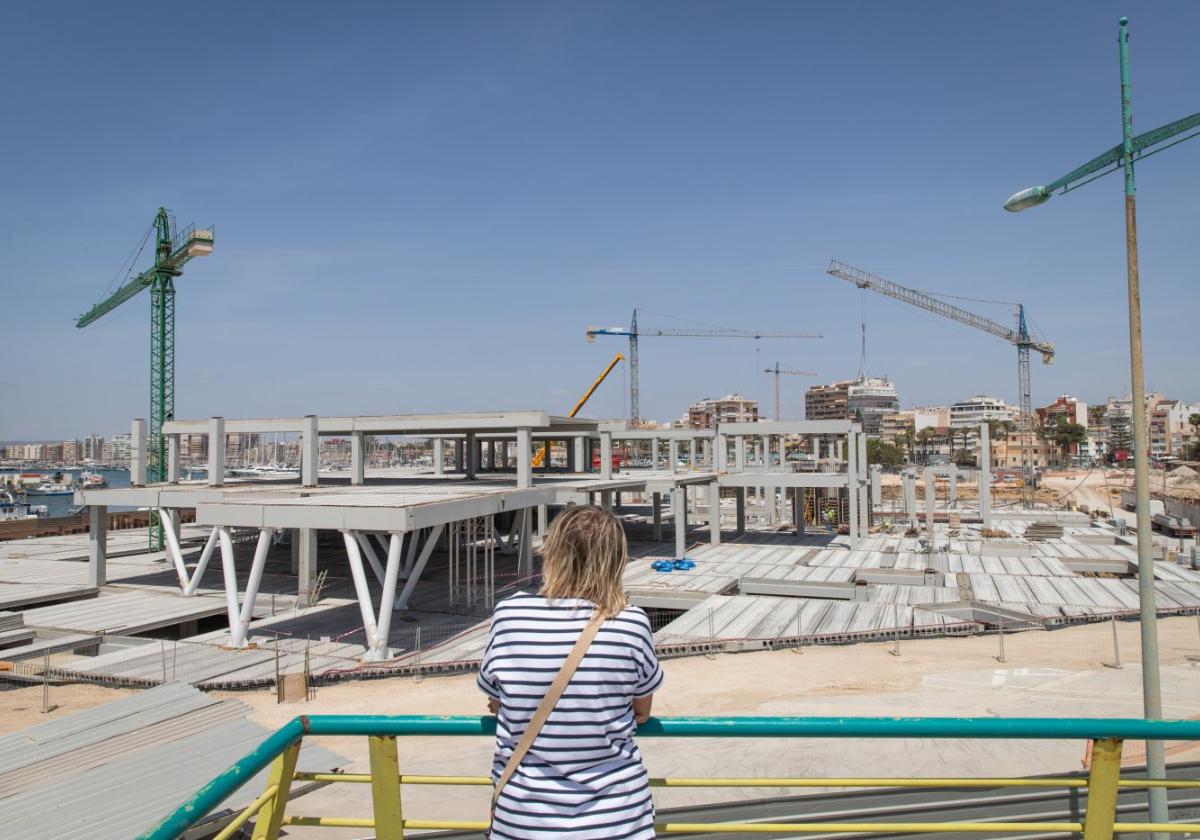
[663,566]
[684,563]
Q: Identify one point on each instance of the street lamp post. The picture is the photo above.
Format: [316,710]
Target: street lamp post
[1123,156]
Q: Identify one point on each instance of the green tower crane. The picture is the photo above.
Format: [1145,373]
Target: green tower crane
[173,249]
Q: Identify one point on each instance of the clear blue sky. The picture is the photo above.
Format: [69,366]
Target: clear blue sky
[420,207]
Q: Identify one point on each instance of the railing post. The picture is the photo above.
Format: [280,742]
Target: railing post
[1102,790]
[270,818]
[385,788]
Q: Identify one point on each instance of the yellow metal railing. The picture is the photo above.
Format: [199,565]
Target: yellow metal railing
[388,821]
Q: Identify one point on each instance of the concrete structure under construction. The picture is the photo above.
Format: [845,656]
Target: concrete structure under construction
[789,531]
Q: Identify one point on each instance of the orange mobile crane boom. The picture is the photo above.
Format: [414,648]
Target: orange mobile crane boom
[540,457]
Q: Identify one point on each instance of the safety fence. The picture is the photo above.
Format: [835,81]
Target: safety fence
[279,753]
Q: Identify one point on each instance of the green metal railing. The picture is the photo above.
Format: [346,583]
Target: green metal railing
[280,751]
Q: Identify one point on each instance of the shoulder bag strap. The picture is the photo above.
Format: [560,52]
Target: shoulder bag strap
[549,701]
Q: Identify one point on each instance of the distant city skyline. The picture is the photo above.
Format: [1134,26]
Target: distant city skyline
[421,207]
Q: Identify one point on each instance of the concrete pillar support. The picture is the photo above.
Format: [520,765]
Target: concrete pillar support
[97,545]
[578,463]
[460,455]
[721,456]
[173,459]
[985,475]
[606,455]
[216,451]
[306,557]
[656,503]
[766,450]
[739,453]
[864,504]
[439,456]
[310,444]
[138,453]
[741,510]
[358,458]
[525,457]
[852,489]
[673,453]
[472,449]
[714,513]
[679,508]
[691,454]
[929,503]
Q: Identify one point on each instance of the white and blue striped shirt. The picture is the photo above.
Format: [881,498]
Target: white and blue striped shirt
[583,777]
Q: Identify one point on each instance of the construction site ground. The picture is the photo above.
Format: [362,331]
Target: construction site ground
[959,677]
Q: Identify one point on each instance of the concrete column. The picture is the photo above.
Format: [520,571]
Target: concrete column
[97,545]
[691,453]
[852,490]
[606,455]
[739,453]
[741,510]
[772,505]
[929,500]
[864,506]
[578,463]
[305,540]
[706,453]
[876,474]
[216,451]
[460,455]
[525,457]
[138,453]
[654,454]
[656,502]
[714,513]
[543,518]
[985,475]
[798,510]
[673,452]
[491,454]
[909,480]
[606,500]
[439,456]
[358,458]
[766,450]
[310,445]
[953,486]
[173,459]
[679,508]
[720,461]
[472,450]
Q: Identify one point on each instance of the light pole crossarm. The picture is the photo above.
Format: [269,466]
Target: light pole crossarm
[1142,143]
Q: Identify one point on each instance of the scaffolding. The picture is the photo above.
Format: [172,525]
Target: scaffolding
[473,563]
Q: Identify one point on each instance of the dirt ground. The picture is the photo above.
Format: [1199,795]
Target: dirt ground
[1060,672]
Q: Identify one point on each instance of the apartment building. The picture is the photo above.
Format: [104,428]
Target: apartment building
[979,409]
[731,408]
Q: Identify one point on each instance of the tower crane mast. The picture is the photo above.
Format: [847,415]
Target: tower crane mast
[782,371]
[634,333]
[1019,336]
[173,249]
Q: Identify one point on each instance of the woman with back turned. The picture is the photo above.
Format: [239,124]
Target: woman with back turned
[582,776]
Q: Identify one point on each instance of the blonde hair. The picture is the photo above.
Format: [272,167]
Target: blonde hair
[584,557]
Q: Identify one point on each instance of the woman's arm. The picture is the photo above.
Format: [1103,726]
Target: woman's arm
[641,708]
[493,705]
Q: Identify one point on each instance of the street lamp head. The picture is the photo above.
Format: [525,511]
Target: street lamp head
[1031,197]
[1124,21]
